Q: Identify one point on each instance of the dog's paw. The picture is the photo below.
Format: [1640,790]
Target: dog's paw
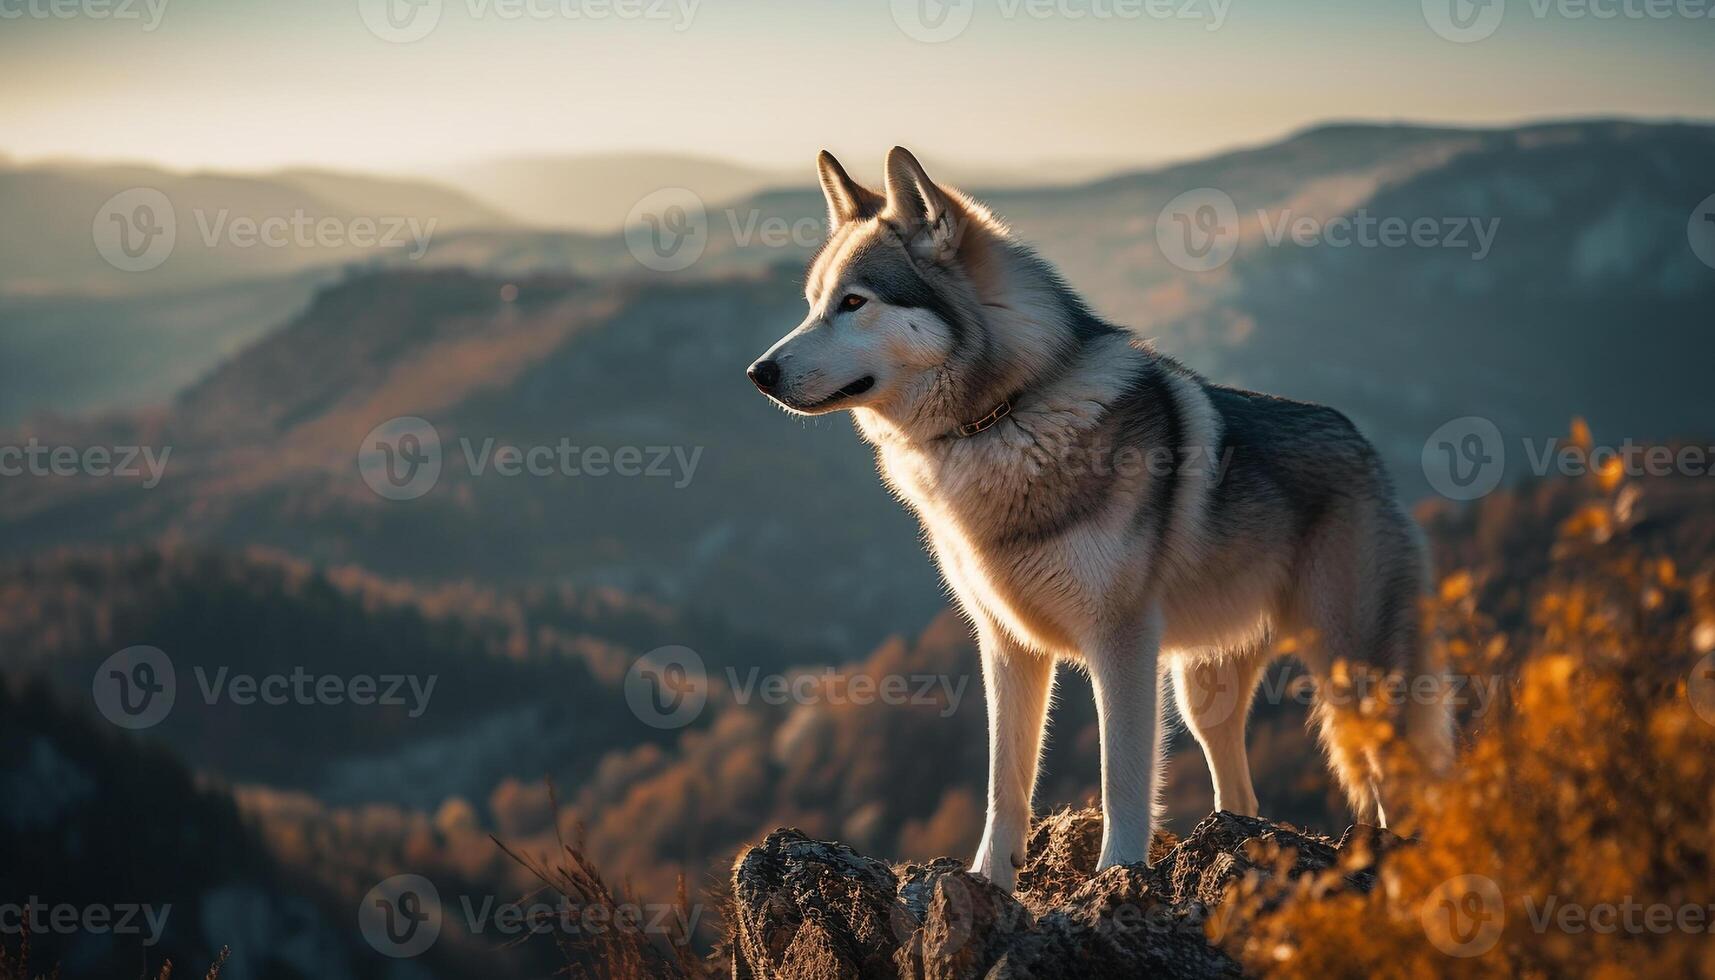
[1003,873]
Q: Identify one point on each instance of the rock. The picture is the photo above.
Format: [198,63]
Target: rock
[1116,925]
[1225,846]
[1060,856]
[815,910]
[818,909]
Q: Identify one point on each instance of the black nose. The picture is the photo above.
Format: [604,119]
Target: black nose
[766,374]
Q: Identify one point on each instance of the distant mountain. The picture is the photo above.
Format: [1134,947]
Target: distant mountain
[389,194]
[596,192]
[68,225]
[1102,229]
[1589,302]
[73,354]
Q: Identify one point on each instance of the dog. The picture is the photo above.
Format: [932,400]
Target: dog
[1091,501]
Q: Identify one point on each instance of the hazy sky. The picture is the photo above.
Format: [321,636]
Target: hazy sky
[260,83]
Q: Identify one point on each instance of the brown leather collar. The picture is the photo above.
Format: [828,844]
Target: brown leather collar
[969,429]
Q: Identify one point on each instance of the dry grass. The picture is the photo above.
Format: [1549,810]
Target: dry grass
[628,947]
[17,966]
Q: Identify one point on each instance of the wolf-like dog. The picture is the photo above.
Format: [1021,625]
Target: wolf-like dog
[1092,501]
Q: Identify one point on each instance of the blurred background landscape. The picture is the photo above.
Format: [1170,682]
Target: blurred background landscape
[520,305]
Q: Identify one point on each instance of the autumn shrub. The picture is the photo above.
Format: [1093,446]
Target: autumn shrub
[1574,837]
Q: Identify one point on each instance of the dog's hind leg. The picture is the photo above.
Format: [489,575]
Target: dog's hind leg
[1416,702]
[1214,698]
[1016,683]
[1332,600]
[1123,673]
[1359,592]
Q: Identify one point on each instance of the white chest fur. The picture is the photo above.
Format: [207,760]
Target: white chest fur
[1044,592]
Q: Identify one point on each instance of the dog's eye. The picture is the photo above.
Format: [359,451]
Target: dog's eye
[852,302]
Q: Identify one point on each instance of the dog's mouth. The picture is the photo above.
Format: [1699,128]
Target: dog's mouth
[852,390]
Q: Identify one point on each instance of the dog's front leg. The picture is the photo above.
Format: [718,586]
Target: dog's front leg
[1016,682]
[1122,664]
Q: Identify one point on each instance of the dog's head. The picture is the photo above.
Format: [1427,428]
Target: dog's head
[892,295]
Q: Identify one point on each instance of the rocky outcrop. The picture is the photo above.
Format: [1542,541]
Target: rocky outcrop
[806,909]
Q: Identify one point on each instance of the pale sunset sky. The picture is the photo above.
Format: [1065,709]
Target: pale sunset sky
[248,84]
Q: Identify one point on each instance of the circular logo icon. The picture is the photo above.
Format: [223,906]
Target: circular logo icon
[958,916]
[1464,21]
[1199,230]
[1700,688]
[135,230]
[933,21]
[667,687]
[1465,458]
[401,916]
[1208,692]
[135,688]
[668,230]
[1700,230]
[1464,916]
[400,21]
[400,459]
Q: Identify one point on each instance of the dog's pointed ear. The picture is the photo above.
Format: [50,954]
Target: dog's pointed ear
[924,213]
[848,200]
